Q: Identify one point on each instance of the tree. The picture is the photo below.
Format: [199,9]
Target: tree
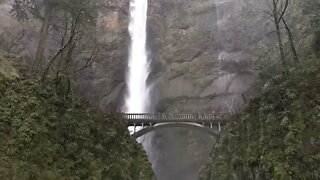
[278,10]
[74,17]
[74,25]
[38,61]
[291,40]
[22,9]
[277,20]
[78,22]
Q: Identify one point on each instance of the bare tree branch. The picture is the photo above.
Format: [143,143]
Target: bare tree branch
[16,42]
[284,10]
[89,61]
[291,40]
[60,51]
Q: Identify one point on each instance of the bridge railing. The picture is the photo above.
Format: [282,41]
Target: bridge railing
[160,116]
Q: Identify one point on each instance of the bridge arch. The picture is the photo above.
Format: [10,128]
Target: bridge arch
[158,126]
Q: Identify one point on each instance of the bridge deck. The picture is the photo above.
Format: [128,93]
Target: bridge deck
[134,119]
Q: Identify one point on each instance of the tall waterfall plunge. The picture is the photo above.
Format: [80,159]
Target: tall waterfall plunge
[137,99]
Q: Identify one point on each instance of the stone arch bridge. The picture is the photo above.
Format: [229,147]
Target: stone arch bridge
[142,124]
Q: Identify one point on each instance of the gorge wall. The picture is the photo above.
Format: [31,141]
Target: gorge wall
[202,63]
[209,55]
[194,47]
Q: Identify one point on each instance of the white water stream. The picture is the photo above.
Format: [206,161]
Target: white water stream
[137,99]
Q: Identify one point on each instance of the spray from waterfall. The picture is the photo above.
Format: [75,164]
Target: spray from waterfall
[137,99]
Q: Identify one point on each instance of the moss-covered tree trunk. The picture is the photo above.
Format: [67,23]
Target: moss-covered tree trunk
[38,61]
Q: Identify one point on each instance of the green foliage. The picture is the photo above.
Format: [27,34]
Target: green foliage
[277,136]
[43,136]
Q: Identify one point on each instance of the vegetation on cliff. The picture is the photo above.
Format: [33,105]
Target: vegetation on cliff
[277,135]
[44,135]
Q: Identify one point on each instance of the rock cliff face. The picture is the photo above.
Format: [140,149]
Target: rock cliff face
[199,51]
[202,63]
[205,57]
[203,53]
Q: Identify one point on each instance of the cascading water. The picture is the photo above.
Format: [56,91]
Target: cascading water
[226,10]
[137,99]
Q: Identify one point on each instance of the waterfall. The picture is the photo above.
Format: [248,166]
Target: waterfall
[137,98]
[232,56]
